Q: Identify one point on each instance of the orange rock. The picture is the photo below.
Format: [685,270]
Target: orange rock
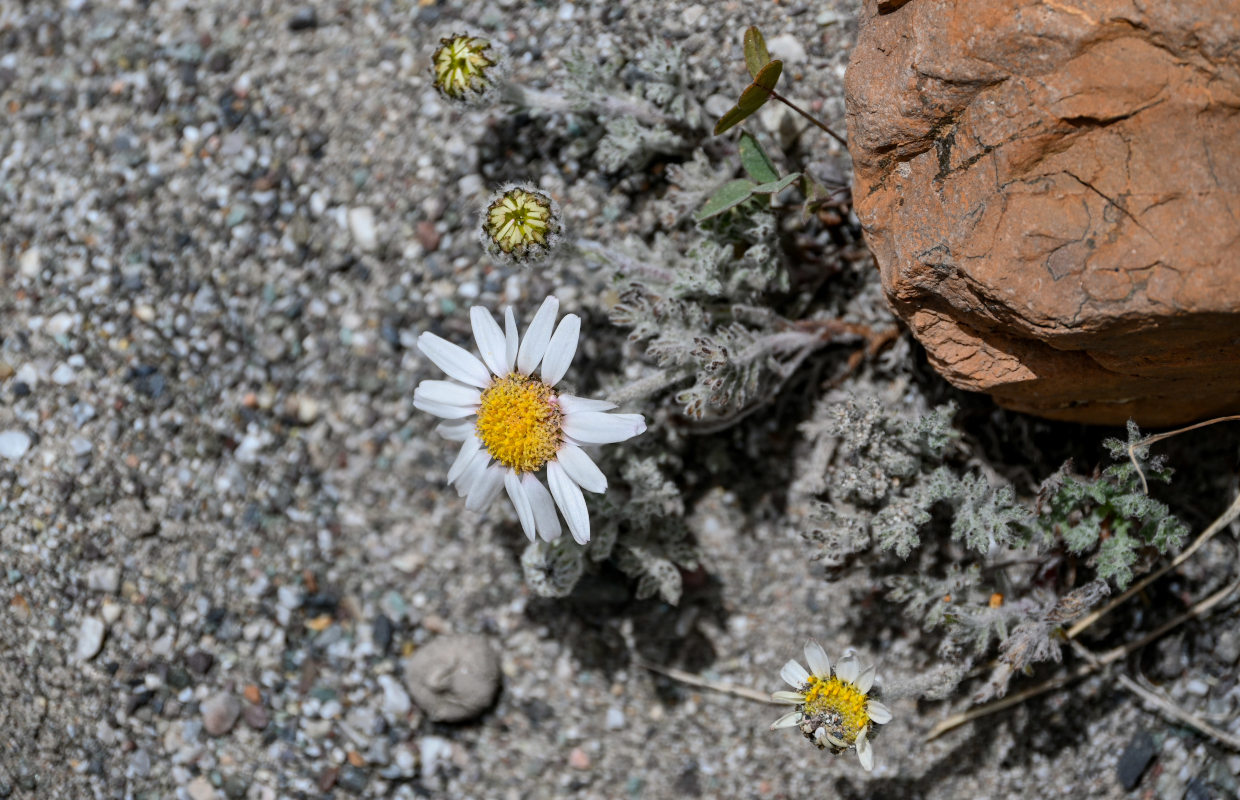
[252,693]
[1052,192]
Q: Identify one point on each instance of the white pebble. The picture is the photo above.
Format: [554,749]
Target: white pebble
[396,702]
[59,324]
[13,445]
[29,263]
[90,638]
[63,375]
[615,719]
[435,751]
[787,49]
[362,226]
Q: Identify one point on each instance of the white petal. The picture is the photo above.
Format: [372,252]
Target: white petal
[468,450]
[534,343]
[819,664]
[455,361]
[470,476]
[510,339]
[866,679]
[491,344]
[444,411]
[596,427]
[848,669]
[788,698]
[794,675]
[571,405]
[456,431]
[521,502]
[545,518]
[483,491]
[581,468]
[561,349]
[823,733]
[448,393]
[865,753]
[787,720]
[571,502]
[877,712]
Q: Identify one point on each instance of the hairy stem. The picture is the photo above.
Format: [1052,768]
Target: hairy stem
[644,387]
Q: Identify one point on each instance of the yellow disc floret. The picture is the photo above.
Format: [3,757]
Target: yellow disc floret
[838,706]
[519,422]
[519,218]
[461,65]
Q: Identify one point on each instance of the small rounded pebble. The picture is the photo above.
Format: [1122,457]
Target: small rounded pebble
[220,712]
[13,444]
[90,638]
[453,678]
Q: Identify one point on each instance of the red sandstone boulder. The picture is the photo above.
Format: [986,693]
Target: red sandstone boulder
[1052,191]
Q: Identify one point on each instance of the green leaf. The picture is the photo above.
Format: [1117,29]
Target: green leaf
[735,116]
[731,195]
[768,76]
[756,54]
[755,160]
[754,97]
[775,187]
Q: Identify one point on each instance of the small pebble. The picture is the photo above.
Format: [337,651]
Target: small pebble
[578,759]
[90,638]
[200,789]
[304,19]
[13,444]
[362,227]
[220,713]
[454,677]
[104,579]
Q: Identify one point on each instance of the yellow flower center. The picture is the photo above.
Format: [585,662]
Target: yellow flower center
[838,706]
[461,63]
[518,218]
[519,422]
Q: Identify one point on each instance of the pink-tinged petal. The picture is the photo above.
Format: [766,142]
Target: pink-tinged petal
[561,349]
[794,675]
[456,362]
[787,720]
[510,339]
[444,411]
[486,488]
[581,468]
[571,405]
[491,344]
[471,448]
[596,427]
[545,518]
[537,335]
[521,502]
[456,431]
[819,664]
[447,393]
[571,502]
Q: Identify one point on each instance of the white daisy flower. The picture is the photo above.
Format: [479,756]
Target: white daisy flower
[832,707]
[512,424]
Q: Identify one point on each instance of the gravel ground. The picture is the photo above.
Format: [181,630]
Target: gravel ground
[224,528]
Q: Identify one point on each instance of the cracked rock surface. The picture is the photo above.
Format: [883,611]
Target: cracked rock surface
[1051,191]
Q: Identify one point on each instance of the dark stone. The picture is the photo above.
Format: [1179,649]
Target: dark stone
[219,61]
[255,716]
[235,787]
[321,603]
[305,18]
[316,141]
[381,633]
[21,389]
[199,662]
[136,701]
[1198,790]
[1136,758]
[687,783]
[537,711]
[353,779]
[327,778]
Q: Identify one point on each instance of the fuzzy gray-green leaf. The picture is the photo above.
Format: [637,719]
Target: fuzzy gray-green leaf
[732,194]
[777,186]
[755,160]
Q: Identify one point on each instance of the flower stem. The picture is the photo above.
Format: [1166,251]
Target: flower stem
[807,115]
[644,387]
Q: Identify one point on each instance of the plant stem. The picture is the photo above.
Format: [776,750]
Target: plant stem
[644,387]
[808,116]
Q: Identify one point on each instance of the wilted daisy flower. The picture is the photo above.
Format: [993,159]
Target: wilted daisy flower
[513,424]
[467,67]
[520,224]
[833,710]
